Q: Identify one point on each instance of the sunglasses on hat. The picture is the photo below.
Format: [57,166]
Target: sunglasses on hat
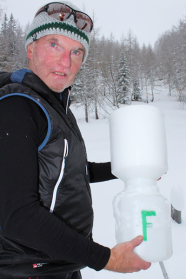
[62,12]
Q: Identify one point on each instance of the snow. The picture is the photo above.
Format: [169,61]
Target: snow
[96,136]
[177,197]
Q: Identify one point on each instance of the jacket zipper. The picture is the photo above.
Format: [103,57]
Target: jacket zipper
[54,196]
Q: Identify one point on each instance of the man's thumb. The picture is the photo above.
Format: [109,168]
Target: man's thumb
[137,240]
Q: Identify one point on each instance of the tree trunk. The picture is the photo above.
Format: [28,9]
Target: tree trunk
[152,100]
[86,114]
[96,110]
[86,110]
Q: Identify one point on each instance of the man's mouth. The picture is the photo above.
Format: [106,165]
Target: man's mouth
[58,73]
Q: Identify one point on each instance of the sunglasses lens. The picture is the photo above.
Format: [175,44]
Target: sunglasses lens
[58,8]
[83,22]
[62,12]
[59,11]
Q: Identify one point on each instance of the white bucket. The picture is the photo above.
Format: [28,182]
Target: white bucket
[139,158]
[138,142]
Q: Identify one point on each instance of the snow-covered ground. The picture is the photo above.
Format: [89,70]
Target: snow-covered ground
[96,136]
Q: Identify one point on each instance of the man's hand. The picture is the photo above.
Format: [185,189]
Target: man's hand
[124,260]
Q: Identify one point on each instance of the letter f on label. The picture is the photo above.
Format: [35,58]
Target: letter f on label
[145,225]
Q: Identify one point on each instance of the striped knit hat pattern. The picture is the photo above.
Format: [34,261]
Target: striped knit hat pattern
[43,25]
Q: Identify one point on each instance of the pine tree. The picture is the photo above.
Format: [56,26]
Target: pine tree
[80,91]
[123,81]
[20,52]
[93,73]
[3,44]
[12,45]
[136,92]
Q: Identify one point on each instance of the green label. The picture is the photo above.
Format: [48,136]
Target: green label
[146,225]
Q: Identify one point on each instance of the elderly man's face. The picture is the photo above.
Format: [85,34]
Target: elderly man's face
[56,59]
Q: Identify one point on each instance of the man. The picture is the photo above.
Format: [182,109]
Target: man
[46,212]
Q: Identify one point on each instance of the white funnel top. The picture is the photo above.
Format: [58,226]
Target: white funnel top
[138,142]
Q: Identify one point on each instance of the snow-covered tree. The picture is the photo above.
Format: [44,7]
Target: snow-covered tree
[4,53]
[80,92]
[93,72]
[12,45]
[136,91]
[170,50]
[109,69]
[123,81]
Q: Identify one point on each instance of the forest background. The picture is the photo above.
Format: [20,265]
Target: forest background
[116,72]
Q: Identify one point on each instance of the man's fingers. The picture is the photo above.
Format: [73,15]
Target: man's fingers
[135,242]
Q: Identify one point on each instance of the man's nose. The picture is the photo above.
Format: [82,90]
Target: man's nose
[65,59]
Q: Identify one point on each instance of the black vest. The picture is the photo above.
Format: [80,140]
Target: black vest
[63,180]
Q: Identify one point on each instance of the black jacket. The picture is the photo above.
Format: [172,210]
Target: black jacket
[69,247]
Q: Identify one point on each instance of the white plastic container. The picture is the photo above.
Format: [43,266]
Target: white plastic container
[139,158]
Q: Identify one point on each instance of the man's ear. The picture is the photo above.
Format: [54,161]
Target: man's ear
[29,51]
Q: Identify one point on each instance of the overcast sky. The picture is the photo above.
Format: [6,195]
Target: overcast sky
[147,19]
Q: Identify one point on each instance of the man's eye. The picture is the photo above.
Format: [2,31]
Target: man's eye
[76,52]
[53,45]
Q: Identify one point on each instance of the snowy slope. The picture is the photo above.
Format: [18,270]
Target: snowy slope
[96,136]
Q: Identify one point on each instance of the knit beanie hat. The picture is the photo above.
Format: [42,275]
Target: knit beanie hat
[43,25]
